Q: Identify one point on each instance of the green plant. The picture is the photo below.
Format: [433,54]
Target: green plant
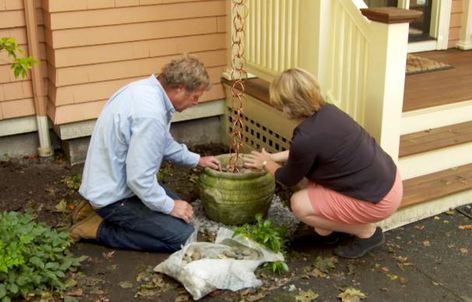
[33,257]
[73,182]
[272,237]
[21,64]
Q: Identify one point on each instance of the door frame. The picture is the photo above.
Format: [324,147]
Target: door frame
[439,28]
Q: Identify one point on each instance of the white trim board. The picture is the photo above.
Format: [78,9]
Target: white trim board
[435,117]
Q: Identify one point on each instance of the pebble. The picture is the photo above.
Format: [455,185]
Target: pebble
[278,213]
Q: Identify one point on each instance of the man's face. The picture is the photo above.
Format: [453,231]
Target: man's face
[182,99]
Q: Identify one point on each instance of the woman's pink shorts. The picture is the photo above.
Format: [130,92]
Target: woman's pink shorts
[335,206]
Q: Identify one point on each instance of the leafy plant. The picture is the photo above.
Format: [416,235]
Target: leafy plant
[21,64]
[33,257]
[73,182]
[272,237]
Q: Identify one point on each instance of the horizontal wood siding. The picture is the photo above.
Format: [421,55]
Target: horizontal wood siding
[455,24]
[16,95]
[95,47]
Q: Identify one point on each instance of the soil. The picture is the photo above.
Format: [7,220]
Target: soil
[40,185]
[429,260]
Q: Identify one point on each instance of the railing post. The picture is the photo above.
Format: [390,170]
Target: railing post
[386,74]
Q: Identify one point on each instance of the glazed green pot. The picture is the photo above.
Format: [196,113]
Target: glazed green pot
[235,198]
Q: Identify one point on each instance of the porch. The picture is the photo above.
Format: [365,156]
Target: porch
[435,157]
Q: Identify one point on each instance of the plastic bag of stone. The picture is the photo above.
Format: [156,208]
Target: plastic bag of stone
[229,263]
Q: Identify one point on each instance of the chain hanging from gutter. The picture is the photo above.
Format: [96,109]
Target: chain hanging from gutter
[238,75]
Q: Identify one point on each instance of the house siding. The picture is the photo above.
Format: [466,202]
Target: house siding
[455,24]
[16,95]
[95,47]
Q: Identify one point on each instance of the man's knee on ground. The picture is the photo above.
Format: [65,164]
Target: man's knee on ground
[180,238]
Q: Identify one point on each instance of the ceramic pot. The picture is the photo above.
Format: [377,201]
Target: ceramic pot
[235,198]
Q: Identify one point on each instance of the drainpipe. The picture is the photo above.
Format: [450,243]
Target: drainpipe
[39,96]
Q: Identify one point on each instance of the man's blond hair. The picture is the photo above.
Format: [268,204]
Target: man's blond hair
[297,90]
[186,71]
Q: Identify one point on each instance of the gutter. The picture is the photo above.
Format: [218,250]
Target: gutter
[39,96]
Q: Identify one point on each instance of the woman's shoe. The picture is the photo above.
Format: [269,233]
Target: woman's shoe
[307,234]
[358,247]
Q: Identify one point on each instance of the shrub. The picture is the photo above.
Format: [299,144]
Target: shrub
[33,257]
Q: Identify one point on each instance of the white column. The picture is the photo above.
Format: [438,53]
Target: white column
[385,84]
[465,41]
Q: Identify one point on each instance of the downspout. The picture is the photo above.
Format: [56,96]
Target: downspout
[39,97]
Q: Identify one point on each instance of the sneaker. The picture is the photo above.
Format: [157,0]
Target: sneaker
[358,247]
[81,211]
[87,228]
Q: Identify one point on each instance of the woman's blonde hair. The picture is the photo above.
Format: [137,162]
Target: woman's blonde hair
[297,90]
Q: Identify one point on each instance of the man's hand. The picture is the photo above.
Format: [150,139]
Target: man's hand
[182,210]
[210,162]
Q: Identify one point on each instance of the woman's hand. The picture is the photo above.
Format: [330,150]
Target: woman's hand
[257,159]
[210,162]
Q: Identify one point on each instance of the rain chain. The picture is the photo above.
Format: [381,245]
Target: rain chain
[238,75]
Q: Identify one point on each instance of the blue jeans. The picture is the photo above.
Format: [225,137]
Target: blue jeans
[129,224]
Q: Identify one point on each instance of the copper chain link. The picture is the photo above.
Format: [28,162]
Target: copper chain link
[238,75]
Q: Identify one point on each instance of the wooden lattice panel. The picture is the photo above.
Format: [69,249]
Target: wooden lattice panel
[264,126]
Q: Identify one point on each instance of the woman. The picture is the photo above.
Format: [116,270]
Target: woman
[348,181]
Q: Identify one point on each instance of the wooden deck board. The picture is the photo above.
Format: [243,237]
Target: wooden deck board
[436,185]
[440,87]
[433,139]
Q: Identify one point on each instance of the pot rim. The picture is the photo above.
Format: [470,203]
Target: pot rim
[247,173]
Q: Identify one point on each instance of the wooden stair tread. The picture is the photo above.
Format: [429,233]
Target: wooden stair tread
[437,138]
[436,185]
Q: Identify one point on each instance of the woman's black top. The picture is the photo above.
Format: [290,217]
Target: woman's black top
[331,149]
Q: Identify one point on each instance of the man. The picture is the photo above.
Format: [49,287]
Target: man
[130,140]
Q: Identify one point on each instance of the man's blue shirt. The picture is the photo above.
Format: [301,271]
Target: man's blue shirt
[129,142]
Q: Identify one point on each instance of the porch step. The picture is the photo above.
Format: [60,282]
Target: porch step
[432,139]
[437,185]
[433,150]
[432,194]
[436,116]
[436,166]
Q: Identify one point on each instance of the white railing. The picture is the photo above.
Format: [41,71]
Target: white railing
[272,31]
[360,63]
[349,56]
